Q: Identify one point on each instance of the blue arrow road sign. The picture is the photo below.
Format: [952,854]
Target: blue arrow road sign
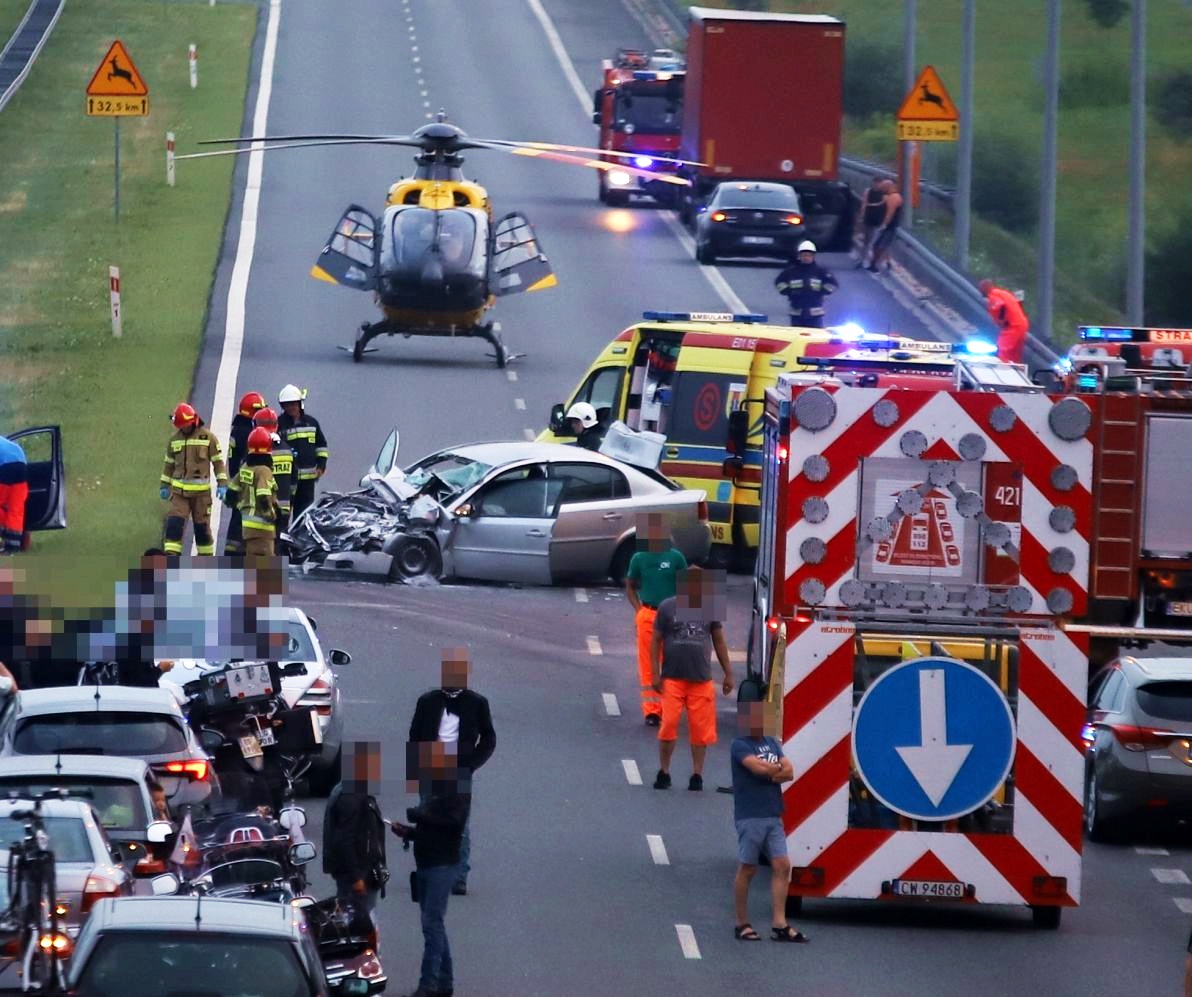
[933,738]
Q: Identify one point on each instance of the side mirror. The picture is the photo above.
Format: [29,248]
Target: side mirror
[292,668]
[732,467]
[338,657]
[464,511]
[313,623]
[557,424]
[158,832]
[595,117]
[292,817]
[302,852]
[211,739]
[166,885]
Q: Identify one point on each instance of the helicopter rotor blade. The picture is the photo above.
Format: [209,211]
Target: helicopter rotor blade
[593,164]
[286,145]
[329,137]
[556,147]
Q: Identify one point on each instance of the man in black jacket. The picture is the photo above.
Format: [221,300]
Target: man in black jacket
[437,828]
[456,714]
[805,284]
[353,828]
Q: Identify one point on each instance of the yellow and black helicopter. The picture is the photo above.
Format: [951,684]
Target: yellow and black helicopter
[436,261]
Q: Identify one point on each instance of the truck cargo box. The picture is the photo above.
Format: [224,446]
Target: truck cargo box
[764,95]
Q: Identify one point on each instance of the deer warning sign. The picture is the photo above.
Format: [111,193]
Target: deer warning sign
[927,113]
[117,87]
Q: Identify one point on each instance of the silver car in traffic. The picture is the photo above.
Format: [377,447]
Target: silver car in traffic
[534,513]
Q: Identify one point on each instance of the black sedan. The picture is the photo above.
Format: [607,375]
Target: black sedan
[749,219]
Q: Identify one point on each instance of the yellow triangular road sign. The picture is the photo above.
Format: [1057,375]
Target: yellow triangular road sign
[928,100]
[117,76]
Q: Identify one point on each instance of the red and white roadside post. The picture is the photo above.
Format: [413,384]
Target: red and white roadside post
[114,288]
[193,60]
[170,158]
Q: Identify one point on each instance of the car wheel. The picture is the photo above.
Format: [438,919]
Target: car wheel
[704,253]
[1095,824]
[1047,918]
[322,780]
[415,557]
[620,563]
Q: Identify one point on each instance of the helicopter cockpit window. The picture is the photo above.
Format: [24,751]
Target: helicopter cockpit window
[409,233]
[649,112]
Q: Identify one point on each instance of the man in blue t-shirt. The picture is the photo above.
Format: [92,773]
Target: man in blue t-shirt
[759,770]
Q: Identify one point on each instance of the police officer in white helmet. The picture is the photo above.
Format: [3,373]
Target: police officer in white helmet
[805,284]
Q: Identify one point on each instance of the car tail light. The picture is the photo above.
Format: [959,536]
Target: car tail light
[718,216]
[702,510]
[793,219]
[58,942]
[1139,738]
[99,886]
[318,696]
[61,908]
[194,769]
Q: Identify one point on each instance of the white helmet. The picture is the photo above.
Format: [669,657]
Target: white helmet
[584,412]
[290,393]
[806,246]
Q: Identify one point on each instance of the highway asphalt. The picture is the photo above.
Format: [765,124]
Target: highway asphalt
[566,897]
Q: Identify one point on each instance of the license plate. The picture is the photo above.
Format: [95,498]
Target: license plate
[1179,609]
[267,738]
[250,747]
[757,240]
[928,888]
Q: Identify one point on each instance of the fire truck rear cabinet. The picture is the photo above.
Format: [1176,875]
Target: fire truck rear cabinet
[918,548]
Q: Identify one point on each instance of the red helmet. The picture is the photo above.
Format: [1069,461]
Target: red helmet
[185,415]
[265,417]
[252,402]
[260,440]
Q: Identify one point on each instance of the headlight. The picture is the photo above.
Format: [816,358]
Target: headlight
[619,178]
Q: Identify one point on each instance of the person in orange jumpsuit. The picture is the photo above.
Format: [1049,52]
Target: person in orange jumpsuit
[1006,310]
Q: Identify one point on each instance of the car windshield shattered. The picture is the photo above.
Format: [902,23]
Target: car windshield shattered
[458,473]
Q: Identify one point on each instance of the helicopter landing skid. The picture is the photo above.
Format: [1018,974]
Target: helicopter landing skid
[489,332]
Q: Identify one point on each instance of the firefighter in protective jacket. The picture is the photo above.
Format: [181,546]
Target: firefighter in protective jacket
[283,469]
[304,436]
[242,425]
[257,491]
[192,453]
[805,284]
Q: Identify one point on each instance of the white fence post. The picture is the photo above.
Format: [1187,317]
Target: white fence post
[170,158]
[114,286]
[193,58]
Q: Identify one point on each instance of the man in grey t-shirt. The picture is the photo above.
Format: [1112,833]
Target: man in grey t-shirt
[686,630]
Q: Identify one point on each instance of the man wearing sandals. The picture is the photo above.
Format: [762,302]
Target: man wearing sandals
[759,769]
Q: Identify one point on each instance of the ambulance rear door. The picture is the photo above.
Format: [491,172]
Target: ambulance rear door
[711,379]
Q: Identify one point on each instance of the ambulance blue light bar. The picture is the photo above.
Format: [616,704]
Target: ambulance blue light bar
[704,317]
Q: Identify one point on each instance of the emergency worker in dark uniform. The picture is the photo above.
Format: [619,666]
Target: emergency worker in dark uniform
[303,434]
[242,425]
[283,471]
[805,284]
[191,454]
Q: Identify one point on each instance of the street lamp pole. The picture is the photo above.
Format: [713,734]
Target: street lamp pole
[1136,246]
[910,73]
[964,165]
[1051,93]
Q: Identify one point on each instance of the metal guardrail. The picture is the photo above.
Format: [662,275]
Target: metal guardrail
[22,49]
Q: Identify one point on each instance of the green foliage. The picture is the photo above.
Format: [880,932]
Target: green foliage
[1097,82]
[1169,275]
[1005,178]
[1107,13]
[872,77]
[1172,102]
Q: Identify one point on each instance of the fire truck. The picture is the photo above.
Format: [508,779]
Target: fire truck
[639,108]
[925,531]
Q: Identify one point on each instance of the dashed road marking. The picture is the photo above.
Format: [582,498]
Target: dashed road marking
[1184,904]
[594,646]
[530,434]
[658,853]
[611,706]
[519,404]
[581,595]
[687,941]
[1171,877]
[511,375]
[632,775]
[1150,850]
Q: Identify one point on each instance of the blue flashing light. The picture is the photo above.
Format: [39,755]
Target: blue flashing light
[977,348]
[1087,382]
[1063,366]
[1107,334]
[643,162]
[751,317]
[850,332]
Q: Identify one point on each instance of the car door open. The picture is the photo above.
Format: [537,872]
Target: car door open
[45,508]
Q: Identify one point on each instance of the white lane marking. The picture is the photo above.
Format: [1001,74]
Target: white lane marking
[1150,850]
[611,706]
[233,344]
[632,775]
[1171,877]
[1184,904]
[657,849]
[511,375]
[714,276]
[519,404]
[581,595]
[530,434]
[687,941]
[594,646]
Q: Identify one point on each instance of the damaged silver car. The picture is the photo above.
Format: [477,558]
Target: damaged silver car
[533,513]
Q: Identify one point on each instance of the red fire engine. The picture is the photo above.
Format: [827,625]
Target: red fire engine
[639,108]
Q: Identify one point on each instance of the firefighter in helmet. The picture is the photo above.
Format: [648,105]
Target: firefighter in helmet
[191,455]
[583,421]
[257,490]
[303,434]
[242,424]
[805,284]
[283,470]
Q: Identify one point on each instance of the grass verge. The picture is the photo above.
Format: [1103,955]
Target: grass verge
[58,236]
[11,12]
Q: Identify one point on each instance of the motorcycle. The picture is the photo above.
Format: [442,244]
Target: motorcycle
[347,942]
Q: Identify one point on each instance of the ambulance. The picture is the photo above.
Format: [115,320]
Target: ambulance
[682,374]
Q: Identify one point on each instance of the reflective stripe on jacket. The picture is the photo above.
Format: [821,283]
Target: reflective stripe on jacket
[283,474]
[190,459]
[305,437]
[257,491]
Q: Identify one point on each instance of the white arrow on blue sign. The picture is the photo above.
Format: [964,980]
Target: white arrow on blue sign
[933,738]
